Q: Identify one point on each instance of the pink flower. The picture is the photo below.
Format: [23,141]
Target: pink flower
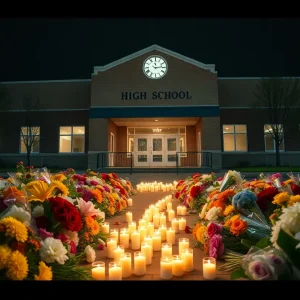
[43,233]
[214,228]
[93,182]
[275,176]
[72,247]
[62,237]
[216,246]
[101,246]
[259,270]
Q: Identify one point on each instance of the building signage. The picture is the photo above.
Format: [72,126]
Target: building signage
[156,95]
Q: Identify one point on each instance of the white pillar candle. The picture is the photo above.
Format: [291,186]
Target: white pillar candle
[147,250]
[142,222]
[150,228]
[182,224]
[155,210]
[135,240]
[111,245]
[131,228]
[171,215]
[163,232]
[98,270]
[148,239]
[114,270]
[179,208]
[162,219]
[166,267]
[151,207]
[128,217]
[118,252]
[143,232]
[163,204]
[105,227]
[177,266]
[139,263]
[124,237]
[148,213]
[187,257]
[169,206]
[156,218]
[183,210]
[183,244]
[175,225]
[125,261]
[166,250]
[156,241]
[209,268]
[171,236]
[114,233]
[129,201]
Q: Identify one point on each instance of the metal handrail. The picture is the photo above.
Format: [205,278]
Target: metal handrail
[103,155]
[206,158]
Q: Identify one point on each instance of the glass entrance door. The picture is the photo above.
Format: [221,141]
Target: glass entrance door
[157,151]
[141,151]
[171,146]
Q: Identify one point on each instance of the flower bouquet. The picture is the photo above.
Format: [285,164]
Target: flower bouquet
[231,179]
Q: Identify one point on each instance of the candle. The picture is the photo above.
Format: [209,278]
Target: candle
[183,210]
[142,222]
[118,252]
[98,270]
[209,268]
[135,240]
[187,257]
[149,240]
[163,232]
[129,202]
[125,261]
[156,218]
[171,214]
[177,266]
[124,238]
[182,224]
[139,263]
[147,250]
[128,217]
[115,270]
[163,203]
[166,267]
[166,250]
[156,241]
[169,206]
[162,219]
[105,227]
[179,210]
[171,236]
[183,243]
[131,228]
[150,228]
[175,225]
[111,245]
[114,233]
[143,232]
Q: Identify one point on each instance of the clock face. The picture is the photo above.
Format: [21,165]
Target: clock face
[155,67]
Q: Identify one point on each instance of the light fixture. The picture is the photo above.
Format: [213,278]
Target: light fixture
[156,120]
[157,129]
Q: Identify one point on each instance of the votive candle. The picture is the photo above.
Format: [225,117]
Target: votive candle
[166,267]
[171,236]
[139,263]
[183,243]
[128,217]
[114,270]
[111,245]
[209,268]
[105,227]
[166,249]
[98,270]
[182,224]
[177,265]
[125,261]
[129,201]
[187,257]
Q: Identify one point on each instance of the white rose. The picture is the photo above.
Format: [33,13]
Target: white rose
[90,254]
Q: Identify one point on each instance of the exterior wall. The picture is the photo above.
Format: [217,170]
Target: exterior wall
[107,86]
[112,128]
[71,94]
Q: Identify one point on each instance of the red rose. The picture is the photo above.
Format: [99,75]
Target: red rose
[296,189]
[177,195]
[179,183]
[265,198]
[195,191]
[66,213]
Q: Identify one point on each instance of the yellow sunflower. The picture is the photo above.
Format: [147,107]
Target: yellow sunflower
[5,253]
[59,177]
[60,188]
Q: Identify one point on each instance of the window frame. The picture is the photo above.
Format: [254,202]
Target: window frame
[234,133]
[71,135]
[268,133]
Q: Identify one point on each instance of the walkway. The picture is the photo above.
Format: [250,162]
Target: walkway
[141,201]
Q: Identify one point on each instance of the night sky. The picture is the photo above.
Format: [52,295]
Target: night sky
[50,49]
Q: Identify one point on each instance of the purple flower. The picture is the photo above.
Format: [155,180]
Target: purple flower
[260,270]
[216,246]
[43,233]
[87,195]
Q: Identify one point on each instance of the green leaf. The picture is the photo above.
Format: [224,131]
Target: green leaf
[238,274]
[263,243]
[288,244]
[247,243]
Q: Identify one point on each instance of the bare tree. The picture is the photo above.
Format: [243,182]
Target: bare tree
[30,133]
[278,95]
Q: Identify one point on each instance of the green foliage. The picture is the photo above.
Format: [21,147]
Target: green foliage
[238,273]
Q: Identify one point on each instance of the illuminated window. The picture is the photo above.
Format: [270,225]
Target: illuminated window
[235,137]
[269,137]
[30,137]
[71,139]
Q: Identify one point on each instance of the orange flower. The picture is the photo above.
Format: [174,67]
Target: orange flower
[198,225]
[98,195]
[12,191]
[95,228]
[224,195]
[213,193]
[111,210]
[89,221]
[218,203]
[86,236]
[231,220]
[238,227]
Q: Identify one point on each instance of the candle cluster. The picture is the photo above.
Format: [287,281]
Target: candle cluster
[154,232]
[156,186]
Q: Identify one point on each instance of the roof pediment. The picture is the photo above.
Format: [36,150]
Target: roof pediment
[209,67]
